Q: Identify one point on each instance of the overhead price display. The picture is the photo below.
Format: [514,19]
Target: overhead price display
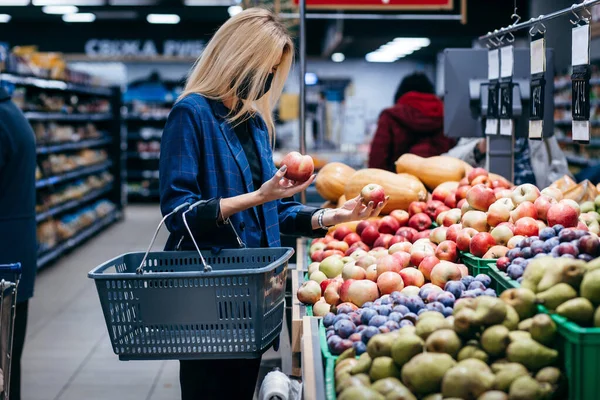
[493,106]
[538,84]
[379,4]
[580,79]
[507,64]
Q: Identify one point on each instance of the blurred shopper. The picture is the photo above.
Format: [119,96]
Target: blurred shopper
[17,217]
[539,162]
[413,125]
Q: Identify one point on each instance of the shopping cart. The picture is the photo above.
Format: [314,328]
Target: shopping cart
[10,274]
[181,305]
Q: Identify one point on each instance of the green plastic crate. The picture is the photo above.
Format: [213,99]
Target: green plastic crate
[330,379]
[500,280]
[476,265]
[580,352]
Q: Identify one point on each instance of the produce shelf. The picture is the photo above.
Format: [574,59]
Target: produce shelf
[73,174]
[144,155]
[58,250]
[476,265]
[500,280]
[69,205]
[56,116]
[54,84]
[84,144]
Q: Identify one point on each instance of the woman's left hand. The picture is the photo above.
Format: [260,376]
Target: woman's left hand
[354,210]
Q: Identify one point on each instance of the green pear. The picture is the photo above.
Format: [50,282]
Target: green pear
[525,325]
[408,329]
[406,348]
[524,388]
[435,396]
[431,314]
[493,395]
[443,341]
[597,318]
[595,214]
[339,364]
[543,329]
[512,318]
[386,385]
[344,369]
[556,295]
[590,287]
[489,311]
[597,201]
[426,327]
[351,380]
[549,375]
[360,393]
[564,270]
[383,367]
[400,394]
[363,365]
[464,323]
[464,303]
[523,301]
[381,345]
[495,340]
[509,373]
[424,373]
[466,381]
[587,206]
[348,354]
[579,310]
[471,351]
[519,335]
[498,365]
[593,265]
[533,355]
[535,272]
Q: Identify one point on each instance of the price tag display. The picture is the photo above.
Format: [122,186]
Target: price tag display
[537,86]
[580,79]
[506,90]
[493,109]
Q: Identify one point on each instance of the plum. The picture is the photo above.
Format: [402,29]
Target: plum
[369,333]
[401,300]
[341,346]
[392,325]
[377,302]
[340,317]
[519,261]
[329,334]
[550,244]
[490,292]
[568,248]
[435,306]
[344,328]
[514,253]
[421,311]
[332,341]
[361,328]
[425,291]
[432,296]
[515,271]
[368,304]
[527,252]
[411,317]
[355,318]
[414,304]
[355,337]
[329,328]
[547,233]
[581,233]
[395,316]
[366,315]
[384,329]
[384,310]
[401,309]
[344,309]
[485,279]
[478,292]
[567,235]
[537,247]
[406,322]
[396,296]
[520,280]
[448,311]
[476,285]
[466,281]
[385,300]
[328,319]
[585,257]
[359,348]
[526,242]
[554,253]
[378,320]
[558,228]
[468,294]
[447,299]
[455,287]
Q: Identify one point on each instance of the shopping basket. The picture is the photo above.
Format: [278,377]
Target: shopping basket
[182,305]
[10,274]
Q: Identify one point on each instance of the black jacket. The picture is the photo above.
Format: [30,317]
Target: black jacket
[18,241]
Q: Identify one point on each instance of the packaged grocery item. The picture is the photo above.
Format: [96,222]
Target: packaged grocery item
[564,184]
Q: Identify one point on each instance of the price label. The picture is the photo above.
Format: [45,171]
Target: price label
[493,103]
[580,79]
[537,86]
[507,62]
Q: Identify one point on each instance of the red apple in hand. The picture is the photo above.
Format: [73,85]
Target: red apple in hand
[388,224]
[401,216]
[299,168]
[481,243]
[447,251]
[372,193]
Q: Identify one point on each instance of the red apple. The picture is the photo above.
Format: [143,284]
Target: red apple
[500,184]
[447,251]
[475,172]
[563,213]
[329,253]
[317,256]
[463,240]
[514,241]
[309,292]
[452,232]
[555,193]
[525,209]
[463,270]
[444,272]
[388,224]
[432,207]
[419,251]
[332,292]
[463,182]
[440,218]
[357,246]
[369,235]
[401,216]
[509,224]
[352,238]
[461,204]
[299,168]
[363,291]
[450,200]
[426,266]
[461,193]
[341,232]
[499,212]
[481,243]
[372,193]
[388,263]
[419,222]
[542,205]
[390,282]
[452,217]
[316,246]
[324,285]
[480,197]
[362,225]
[372,273]
[582,226]
[353,271]
[345,287]
[422,235]
[402,246]
[403,259]
[416,207]
[526,192]
[502,234]
[495,252]
[365,261]
[407,232]
[337,245]
[440,210]
[476,220]
[412,277]
[442,191]
[438,235]
[503,193]
[383,241]
[397,239]
[482,180]
[541,225]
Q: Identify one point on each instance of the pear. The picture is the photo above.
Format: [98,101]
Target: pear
[349,381]
[546,391]
[523,301]
[431,314]
[533,355]
[498,365]
[408,329]
[464,323]
[489,311]
[563,270]
[597,318]
[495,340]
[474,363]
[543,329]
[386,385]
[519,335]
[406,348]
[493,395]
[464,303]
[471,351]
[444,341]
[587,206]
[549,375]
[344,369]
[339,378]
[383,367]
[524,388]
[509,373]
[381,345]
[466,381]
[556,295]
[340,364]
[424,373]
[426,327]
[512,318]
[579,310]
[360,393]
[525,325]
[400,394]
[348,354]
[590,287]
[363,365]
[593,265]
[436,396]
[535,272]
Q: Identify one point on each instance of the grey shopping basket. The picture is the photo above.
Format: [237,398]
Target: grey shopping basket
[10,274]
[182,305]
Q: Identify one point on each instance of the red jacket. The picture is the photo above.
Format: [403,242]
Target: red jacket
[414,125]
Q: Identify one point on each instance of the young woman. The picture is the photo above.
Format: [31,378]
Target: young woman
[216,150]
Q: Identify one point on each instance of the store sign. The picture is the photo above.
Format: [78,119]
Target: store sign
[427,5]
[100,48]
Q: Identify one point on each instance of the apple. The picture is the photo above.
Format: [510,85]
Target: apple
[407,232]
[317,256]
[318,246]
[432,207]
[331,266]
[463,270]
[476,220]
[461,193]
[495,252]
[502,234]
[309,292]
[344,289]
[502,263]
[332,292]
[403,259]
[572,203]
[379,252]
[299,168]
[419,251]
[369,235]
[351,238]
[524,209]
[452,232]
[422,235]
[452,217]
[361,292]
[443,190]
[475,172]
[502,193]
[401,216]
[397,239]
[419,222]
[416,207]
[482,180]
[555,193]
[500,184]
[440,218]
[321,308]
[438,235]
[388,263]
[541,225]
[480,197]
[563,213]
[464,237]
[447,251]
[412,277]
[317,276]
[356,247]
[463,182]
[450,200]
[498,213]
[509,224]
[337,245]
[372,272]
[542,205]
[441,209]
[383,241]
[514,241]
[481,243]
[353,271]
[313,267]
[372,193]
[402,246]
[525,192]
[388,224]
[341,232]
[329,253]
[582,226]
[526,226]
[390,282]
[362,225]
[427,264]
[444,272]
[324,285]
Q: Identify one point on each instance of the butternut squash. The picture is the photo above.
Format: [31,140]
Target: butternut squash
[402,190]
[433,170]
[341,201]
[332,179]
[494,177]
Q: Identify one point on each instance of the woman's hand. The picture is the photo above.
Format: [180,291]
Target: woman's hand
[279,187]
[353,210]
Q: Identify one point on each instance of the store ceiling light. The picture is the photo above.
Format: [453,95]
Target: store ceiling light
[133,2]
[338,57]
[204,3]
[4,18]
[14,2]
[163,18]
[234,10]
[80,17]
[397,48]
[68,2]
[60,10]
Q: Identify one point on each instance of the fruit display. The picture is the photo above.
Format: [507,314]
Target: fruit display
[490,348]
[432,171]
[331,180]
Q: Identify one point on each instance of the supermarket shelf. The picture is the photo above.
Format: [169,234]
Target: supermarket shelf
[145,193]
[592,143]
[73,203]
[60,249]
[567,84]
[73,174]
[145,174]
[54,85]
[84,144]
[568,122]
[137,136]
[56,116]
[144,155]
[567,103]
[578,160]
[142,118]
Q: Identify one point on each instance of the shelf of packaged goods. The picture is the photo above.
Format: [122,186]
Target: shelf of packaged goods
[144,118]
[53,84]
[73,174]
[84,144]
[578,160]
[145,174]
[52,254]
[146,193]
[73,204]
[566,84]
[57,116]
[137,136]
[593,142]
[143,155]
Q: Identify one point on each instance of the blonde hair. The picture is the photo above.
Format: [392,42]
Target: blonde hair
[242,53]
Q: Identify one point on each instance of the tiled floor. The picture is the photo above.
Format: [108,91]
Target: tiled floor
[67,352]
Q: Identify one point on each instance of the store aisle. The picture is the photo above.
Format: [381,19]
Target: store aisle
[67,352]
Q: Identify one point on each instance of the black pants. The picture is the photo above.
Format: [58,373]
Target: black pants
[20,329]
[218,379]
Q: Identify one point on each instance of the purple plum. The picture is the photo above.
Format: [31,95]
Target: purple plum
[367,315]
[414,304]
[329,334]
[554,253]
[359,348]
[369,333]
[478,292]
[490,292]
[526,242]
[567,235]
[485,279]
[328,319]
[384,329]
[341,346]
[340,317]
[519,261]
[447,299]
[386,300]
[466,280]
[581,233]
[384,310]
[406,322]
[558,228]
[396,296]
[435,306]
[468,294]
[513,253]
[537,247]
[455,287]
[568,248]
[378,320]
[332,341]
[395,316]
[515,271]
[368,304]
[527,252]
[448,311]
[361,328]
[344,309]
[550,244]
[585,257]
[411,317]
[355,337]
[355,318]
[392,325]
[426,291]
[344,328]
[401,309]
[432,296]
[520,280]
[377,302]
[476,285]
[547,233]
